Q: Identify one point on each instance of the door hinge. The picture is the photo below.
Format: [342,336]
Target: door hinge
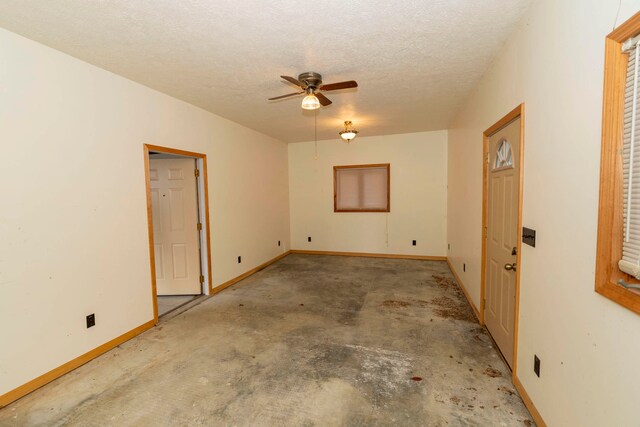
[197,172]
[201,279]
[486,157]
[199,227]
[485,232]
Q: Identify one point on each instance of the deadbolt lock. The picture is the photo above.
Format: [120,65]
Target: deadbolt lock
[514,251]
[510,267]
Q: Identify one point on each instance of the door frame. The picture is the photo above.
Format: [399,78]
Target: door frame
[203,211]
[504,121]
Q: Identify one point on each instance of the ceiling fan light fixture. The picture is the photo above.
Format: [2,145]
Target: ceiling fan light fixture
[348,133]
[310,102]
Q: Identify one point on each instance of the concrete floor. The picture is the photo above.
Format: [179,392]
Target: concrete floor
[310,340]
[167,303]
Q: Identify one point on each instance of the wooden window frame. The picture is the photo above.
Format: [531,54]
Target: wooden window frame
[335,187]
[610,210]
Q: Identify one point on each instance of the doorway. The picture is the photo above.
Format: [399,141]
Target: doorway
[177,210]
[502,222]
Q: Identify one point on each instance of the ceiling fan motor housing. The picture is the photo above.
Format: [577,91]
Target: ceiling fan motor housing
[311,79]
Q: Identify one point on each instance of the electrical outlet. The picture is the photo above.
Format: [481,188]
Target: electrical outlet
[91,320]
[414,243]
[536,365]
[464,267]
[239,259]
[308,239]
[278,242]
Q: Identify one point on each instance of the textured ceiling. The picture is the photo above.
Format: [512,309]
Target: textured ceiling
[414,60]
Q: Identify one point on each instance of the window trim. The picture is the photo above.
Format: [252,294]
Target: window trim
[335,187]
[610,209]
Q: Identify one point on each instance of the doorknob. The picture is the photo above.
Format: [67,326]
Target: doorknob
[510,266]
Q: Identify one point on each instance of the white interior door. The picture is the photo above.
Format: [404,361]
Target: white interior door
[174,207]
[502,236]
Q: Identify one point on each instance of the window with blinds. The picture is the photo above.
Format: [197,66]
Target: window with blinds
[619,203]
[630,262]
[361,188]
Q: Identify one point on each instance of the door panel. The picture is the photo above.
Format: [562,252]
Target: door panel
[505,302]
[176,174]
[159,257]
[155,209]
[507,223]
[175,218]
[492,296]
[496,230]
[502,235]
[176,209]
[180,268]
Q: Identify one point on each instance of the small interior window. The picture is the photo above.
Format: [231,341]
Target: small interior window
[504,156]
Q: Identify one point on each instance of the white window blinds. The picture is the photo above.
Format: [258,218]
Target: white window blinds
[362,188]
[630,262]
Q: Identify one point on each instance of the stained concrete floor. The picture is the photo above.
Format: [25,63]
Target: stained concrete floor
[167,303]
[310,340]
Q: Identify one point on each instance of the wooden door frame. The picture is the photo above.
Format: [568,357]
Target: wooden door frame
[511,116]
[147,148]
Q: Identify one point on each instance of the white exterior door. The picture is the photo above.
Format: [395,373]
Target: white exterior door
[502,236]
[174,206]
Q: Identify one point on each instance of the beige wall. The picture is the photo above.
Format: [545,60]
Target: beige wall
[589,346]
[73,222]
[418,195]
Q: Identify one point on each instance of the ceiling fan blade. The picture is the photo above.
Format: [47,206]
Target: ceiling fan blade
[292,80]
[285,96]
[341,85]
[324,101]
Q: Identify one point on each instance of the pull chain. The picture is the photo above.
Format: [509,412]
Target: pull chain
[315,133]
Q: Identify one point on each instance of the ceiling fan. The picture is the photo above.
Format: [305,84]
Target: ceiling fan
[311,84]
